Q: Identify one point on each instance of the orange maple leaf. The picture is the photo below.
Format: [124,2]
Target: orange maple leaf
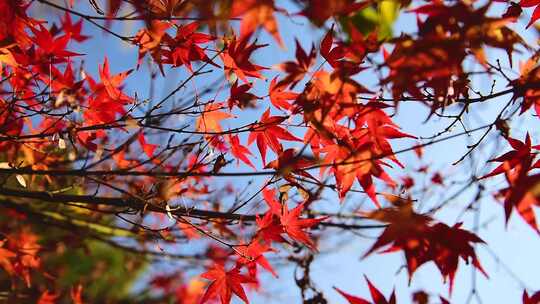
[255,14]
[210,119]
[279,97]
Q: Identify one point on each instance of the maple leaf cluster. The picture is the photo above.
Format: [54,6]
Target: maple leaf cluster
[520,193]
[276,223]
[105,174]
[422,241]
[434,60]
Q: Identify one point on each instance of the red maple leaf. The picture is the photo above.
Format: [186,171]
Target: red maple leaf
[236,59]
[185,47]
[239,151]
[154,39]
[279,219]
[295,227]
[147,148]
[240,96]
[269,228]
[376,127]
[521,194]
[107,100]
[536,13]
[318,11]
[422,241]
[521,155]
[448,245]
[87,138]
[63,83]
[361,165]
[51,49]
[252,255]
[47,297]
[360,45]
[289,162]
[14,22]
[6,257]
[113,84]
[76,294]
[297,70]
[332,55]
[376,296]
[534,299]
[224,284]
[268,133]
[73,29]
[19,254]
[352,299]
[278,95]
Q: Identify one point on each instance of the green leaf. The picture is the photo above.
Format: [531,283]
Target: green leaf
[379,17]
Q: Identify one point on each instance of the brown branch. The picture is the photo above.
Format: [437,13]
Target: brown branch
[127,17]
[78,172]
[139,205]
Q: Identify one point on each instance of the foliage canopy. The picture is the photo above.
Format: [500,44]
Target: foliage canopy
[248,136]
